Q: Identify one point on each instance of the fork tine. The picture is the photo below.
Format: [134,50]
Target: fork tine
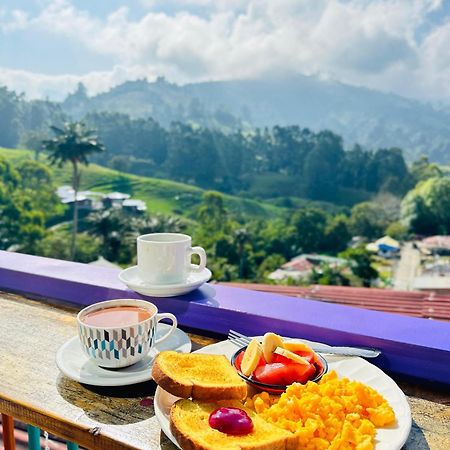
[238,339]
[238,342]
[236,334]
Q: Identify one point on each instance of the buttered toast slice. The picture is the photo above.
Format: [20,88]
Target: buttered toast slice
[189,424]
[197,375]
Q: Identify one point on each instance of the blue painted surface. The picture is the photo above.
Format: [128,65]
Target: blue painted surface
[413,347]
[34,438]
[72,446]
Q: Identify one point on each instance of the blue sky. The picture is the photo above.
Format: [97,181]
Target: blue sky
[401,46]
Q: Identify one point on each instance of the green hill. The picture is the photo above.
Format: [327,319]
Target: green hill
[161,196]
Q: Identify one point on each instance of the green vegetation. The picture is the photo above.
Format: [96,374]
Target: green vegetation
[72,144]
[244,238]
[160,196]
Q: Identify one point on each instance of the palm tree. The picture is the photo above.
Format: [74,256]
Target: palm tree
[73,143]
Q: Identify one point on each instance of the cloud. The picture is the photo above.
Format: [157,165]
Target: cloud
[373,43]
[38,85]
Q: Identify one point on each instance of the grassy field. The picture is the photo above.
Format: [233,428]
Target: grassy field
[161,196]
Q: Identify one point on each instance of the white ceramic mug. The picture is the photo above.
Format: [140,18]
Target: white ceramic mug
[121,346]
[165,258]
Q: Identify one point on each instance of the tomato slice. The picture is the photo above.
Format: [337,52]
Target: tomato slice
[284,374]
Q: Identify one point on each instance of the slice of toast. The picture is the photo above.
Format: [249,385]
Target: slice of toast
[189,424]
[199,376]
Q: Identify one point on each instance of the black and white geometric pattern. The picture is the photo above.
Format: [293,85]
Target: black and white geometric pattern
[117,344]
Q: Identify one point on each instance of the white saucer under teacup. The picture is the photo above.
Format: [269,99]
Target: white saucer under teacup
[194,280]
[164,267]
[73,362]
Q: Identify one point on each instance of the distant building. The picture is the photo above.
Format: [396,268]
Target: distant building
[385,246]
[91,201]
[83,202]
[114,199]
[301,266]
[438,245]
[432,283]
[296,269]
[86,200]
[134,206]
[316,259]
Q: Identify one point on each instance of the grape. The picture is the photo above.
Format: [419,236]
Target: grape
[233,421]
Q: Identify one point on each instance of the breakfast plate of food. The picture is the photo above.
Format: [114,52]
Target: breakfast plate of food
[214,399]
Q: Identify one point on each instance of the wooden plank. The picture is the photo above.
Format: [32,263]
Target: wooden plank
[8,432]
[33,390]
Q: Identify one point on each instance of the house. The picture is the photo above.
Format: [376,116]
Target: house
[295,269]
[114,199]
[83,202]
[86,200]
[301,266]
[385,246]
[437,245]
[134,206]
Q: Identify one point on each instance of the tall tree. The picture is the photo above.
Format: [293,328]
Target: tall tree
[73,144]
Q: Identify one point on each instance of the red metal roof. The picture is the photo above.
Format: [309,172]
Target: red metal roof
[428,305]
[300,264]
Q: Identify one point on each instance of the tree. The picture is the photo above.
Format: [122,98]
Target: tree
[328,275]
[337,234]
[270,263]
[21,224]
[426,208]
[310,227]
[54,245]
[422,169]
[360,263]
[10,113]
[241,238]
[114,229]
[320,172]
[212,213]
[73,143]
[367,220]
[36,182]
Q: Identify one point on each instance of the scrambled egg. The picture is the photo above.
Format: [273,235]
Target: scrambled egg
[334,414]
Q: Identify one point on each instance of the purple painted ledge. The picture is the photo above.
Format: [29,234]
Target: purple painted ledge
[412,347]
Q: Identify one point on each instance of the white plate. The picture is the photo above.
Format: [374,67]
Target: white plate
[390,438]
[73,362]
[194,280]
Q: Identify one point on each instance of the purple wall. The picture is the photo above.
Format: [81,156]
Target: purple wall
[411,346]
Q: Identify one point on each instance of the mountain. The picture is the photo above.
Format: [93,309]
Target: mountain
[370,118]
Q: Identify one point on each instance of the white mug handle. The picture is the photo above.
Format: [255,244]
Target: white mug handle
[202,254]
[172,328]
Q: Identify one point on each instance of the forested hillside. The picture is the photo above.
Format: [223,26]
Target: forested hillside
[280,164]
[360,115]
[370,118]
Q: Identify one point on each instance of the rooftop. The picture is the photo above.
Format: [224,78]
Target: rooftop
[429,305]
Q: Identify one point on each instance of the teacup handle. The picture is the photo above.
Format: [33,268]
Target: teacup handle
[202,254]
[172,328]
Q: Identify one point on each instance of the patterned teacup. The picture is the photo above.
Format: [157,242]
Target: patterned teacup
[118,333]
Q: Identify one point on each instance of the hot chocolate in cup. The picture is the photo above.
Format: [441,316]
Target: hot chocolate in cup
[165,258]
[119,333]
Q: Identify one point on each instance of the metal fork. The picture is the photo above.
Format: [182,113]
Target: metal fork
[242,340]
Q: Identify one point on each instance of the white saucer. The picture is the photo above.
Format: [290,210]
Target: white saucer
[73,362]
[131,278]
